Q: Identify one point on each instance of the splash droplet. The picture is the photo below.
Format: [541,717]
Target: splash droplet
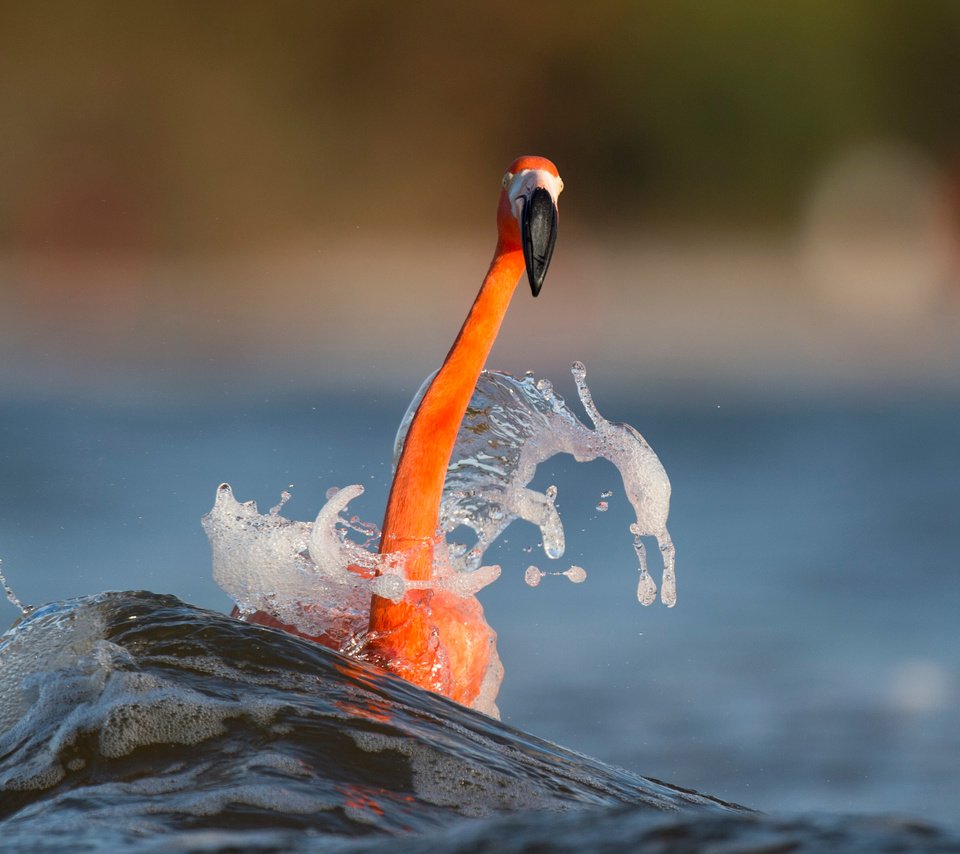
[646,589]
[285,496]
[577,574]
[11,596]
[533,576]
[602,507]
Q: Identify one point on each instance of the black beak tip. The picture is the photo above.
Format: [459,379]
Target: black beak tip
[538,233]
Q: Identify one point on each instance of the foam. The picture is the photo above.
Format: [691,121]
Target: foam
[62,681]
[54,663]
[50,639]
[471,789]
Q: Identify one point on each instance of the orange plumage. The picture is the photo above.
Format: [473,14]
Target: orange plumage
[434,638]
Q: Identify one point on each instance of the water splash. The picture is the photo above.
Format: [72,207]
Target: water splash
[315,578]
[311,575]
[11,596]
[514,424]
[534,575]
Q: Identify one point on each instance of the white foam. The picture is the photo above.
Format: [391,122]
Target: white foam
[62,681]
[471,789]
[52,639]
[295,571]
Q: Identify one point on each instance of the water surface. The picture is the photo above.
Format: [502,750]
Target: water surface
[810,664]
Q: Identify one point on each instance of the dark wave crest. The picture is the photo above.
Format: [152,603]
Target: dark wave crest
[132,711]
[135,720]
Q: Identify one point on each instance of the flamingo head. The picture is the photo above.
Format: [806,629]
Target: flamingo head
[527,215]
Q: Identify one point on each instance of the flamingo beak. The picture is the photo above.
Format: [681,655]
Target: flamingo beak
[538,235]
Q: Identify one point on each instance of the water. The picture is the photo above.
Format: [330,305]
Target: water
[313,577]
[811,663]
[133,720]
[129,715]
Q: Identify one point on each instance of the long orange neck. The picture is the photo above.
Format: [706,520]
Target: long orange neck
[414,504]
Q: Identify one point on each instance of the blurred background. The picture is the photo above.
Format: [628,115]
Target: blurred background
[234,238]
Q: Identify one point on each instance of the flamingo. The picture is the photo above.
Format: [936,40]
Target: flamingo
[433,637]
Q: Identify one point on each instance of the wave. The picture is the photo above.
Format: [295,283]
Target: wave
[136,721]
[132,714]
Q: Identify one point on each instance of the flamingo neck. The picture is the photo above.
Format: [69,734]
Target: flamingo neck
[414,505]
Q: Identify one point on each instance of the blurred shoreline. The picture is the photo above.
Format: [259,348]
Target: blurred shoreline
[671,314]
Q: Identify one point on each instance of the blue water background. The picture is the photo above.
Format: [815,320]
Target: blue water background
[813,660]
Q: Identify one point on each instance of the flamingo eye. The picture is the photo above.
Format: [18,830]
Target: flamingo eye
[507,178]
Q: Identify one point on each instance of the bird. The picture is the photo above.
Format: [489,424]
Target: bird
[432,636]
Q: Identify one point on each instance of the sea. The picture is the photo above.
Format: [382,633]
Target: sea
[804,688]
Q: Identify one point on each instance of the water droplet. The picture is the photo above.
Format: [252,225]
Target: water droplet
[607,493]
[602,507]
[577,574]
[533,576]
[284,498]
[646,589]
[553,547]
[11,596]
